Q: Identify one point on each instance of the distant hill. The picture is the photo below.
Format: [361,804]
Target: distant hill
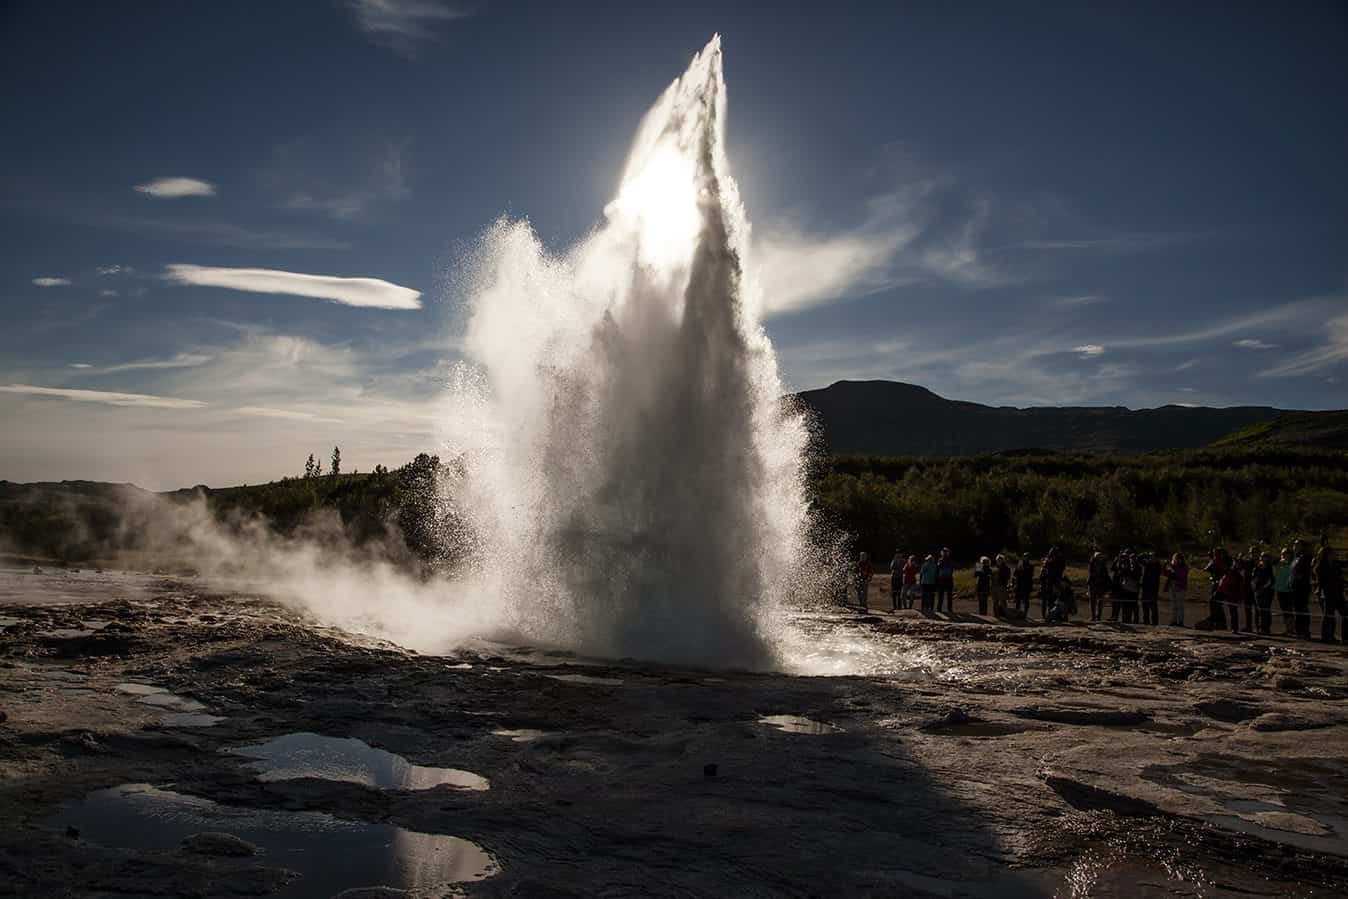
[1323,430]
[895,419]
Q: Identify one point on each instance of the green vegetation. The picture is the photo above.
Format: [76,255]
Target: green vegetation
[1019,502]
[1028,501]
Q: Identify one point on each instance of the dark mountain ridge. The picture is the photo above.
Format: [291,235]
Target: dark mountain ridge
[896,419]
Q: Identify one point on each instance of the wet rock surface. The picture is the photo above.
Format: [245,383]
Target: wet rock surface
[963,758]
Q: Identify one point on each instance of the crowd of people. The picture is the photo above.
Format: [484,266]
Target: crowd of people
[1244,589]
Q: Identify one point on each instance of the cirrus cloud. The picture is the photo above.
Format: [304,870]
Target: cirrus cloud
[109,398]
[172,188]
[52,282]
[368,292]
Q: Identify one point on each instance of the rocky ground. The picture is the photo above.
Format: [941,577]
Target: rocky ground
[970,759]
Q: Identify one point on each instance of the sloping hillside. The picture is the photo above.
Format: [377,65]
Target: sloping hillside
[891,418]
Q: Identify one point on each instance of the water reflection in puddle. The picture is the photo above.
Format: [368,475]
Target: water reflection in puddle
[793,724]
[347,759]
[180,711]
[330,854]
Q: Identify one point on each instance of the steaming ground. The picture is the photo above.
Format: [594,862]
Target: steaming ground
[1082,761]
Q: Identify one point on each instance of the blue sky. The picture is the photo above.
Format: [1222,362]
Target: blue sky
[1015,205]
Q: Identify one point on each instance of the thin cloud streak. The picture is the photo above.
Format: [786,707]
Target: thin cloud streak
[143,400]
[173,188]
[1333,352]
[182,360]
[51,282]
[289,414]
[366,292]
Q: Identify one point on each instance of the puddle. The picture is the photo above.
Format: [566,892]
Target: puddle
[521,735]
[350,760]
[584,679]
[793,724]
[181,711]
[330,854]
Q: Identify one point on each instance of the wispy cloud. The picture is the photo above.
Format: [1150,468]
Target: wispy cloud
[344,183]
[404,24]
[80,365]
[182,360]
[370,292]
[52,282]
[1088,350]
[172,188]
[288,414]
[1251,343]
[1333,351]
[115,270]
[1090,299]
[144,400]
[1284,315]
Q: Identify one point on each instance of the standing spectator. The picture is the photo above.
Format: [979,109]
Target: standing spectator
[1247,567]
[1097,584]
[910,570]
[928,576]
[1282,586]
[1177,585]
[1232,590]
[983,583]
[1127,583]
[1262,581]
[896,580]
[1329,584]
[1218,563]
[1000,585]
[1116,591]
[1151,589]
[1023,584]
[865,571]
[1301,588]
[945,581]
[1055,567]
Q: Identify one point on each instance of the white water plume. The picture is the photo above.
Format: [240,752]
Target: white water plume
[634,480]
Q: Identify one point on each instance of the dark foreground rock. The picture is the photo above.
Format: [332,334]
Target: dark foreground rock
[960,759]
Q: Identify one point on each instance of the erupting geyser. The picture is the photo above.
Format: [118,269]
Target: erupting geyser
[635,484]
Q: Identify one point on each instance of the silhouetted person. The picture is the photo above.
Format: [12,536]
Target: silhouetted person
[983,583]
[1282,588]
[1055,567]
[1247,566]
[1129,585]
[865,571]
[1261,582]
[945,581]
[1001,586]
[1177,586]
[928,576]
[1218,563]
[1023,583]
[1097,584]
[896,580]
[1329,584]
[1232,590]
[911,568]
[1301,588]
[1151,589]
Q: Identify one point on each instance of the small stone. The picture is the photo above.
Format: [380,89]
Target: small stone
[709,770]
[219,844]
